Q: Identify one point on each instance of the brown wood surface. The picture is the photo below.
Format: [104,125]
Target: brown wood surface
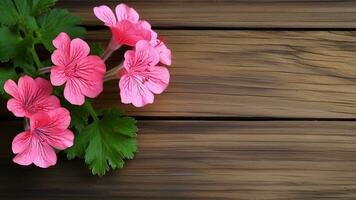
[225,68]
[231,13]
[214,160]
[252,74]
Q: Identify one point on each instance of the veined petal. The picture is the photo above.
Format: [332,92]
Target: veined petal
[78,49]
[39,120]
[145,54]
[62,42]
[91,68]
[58,76]
[27,88]
[59,58]
[72,93]
[44,86]
[133,91]
[33,151]
[124,12]
[106,15]
[16,107]
[128,33]
[43,155]
[10,87]
[21,142]
[61,55]
[157,79]
[61,140]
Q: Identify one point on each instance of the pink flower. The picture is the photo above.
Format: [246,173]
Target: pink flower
[141,77]
[125,26]
[165,56]
[30,96]
[46,131]
[82,74]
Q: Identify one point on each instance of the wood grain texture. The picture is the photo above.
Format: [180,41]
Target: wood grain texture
[252,74]
[272,160]
[231,13]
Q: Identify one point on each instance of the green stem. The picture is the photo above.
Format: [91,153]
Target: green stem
[35,57]
[91,110]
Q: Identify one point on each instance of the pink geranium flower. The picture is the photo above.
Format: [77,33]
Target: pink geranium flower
[165,56]
[125,26]
[30,96]
[47,131]
[141,78]
[82,74]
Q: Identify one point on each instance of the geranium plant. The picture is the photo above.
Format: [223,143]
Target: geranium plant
[53,92]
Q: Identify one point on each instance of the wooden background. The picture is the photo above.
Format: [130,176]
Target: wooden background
[261,105]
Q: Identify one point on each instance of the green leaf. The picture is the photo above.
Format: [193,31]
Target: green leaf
[23,8]
[55,21]
[104,144]
[6,73]
[40,6]
[10,44]
[8,14]
[31,23]
[96,49]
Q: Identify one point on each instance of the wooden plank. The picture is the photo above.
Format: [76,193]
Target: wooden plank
[252,74]
[231,13]
[204,160]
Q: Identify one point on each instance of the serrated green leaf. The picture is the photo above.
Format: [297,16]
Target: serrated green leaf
[104,144]
[31,23]
[55,21]
[40,6]
[6,73]
[23,8]
[10,44]
[8,14]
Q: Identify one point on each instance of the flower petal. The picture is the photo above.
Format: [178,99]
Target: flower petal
[91,68]
[61,55]
[44,86]
[31,150]
[106,15]
[58,76]
[145,54]
[59,58]
[21,142]
[39,120]
[165,56]
[133,91]
[10,87]
[61,140]
[157,79]
[124,12]
[27,87]
[78,49]
[43,155]
[89,75]
[128,33]
[62,42]
[73,93]
[59,120]
[16,107]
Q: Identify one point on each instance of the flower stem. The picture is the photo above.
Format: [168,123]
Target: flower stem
[44,70]
[35,57]
[112,46]
[112,73]
[26,124]
[91,110]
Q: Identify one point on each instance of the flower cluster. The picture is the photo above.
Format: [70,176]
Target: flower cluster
[48,122]
[142,74]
